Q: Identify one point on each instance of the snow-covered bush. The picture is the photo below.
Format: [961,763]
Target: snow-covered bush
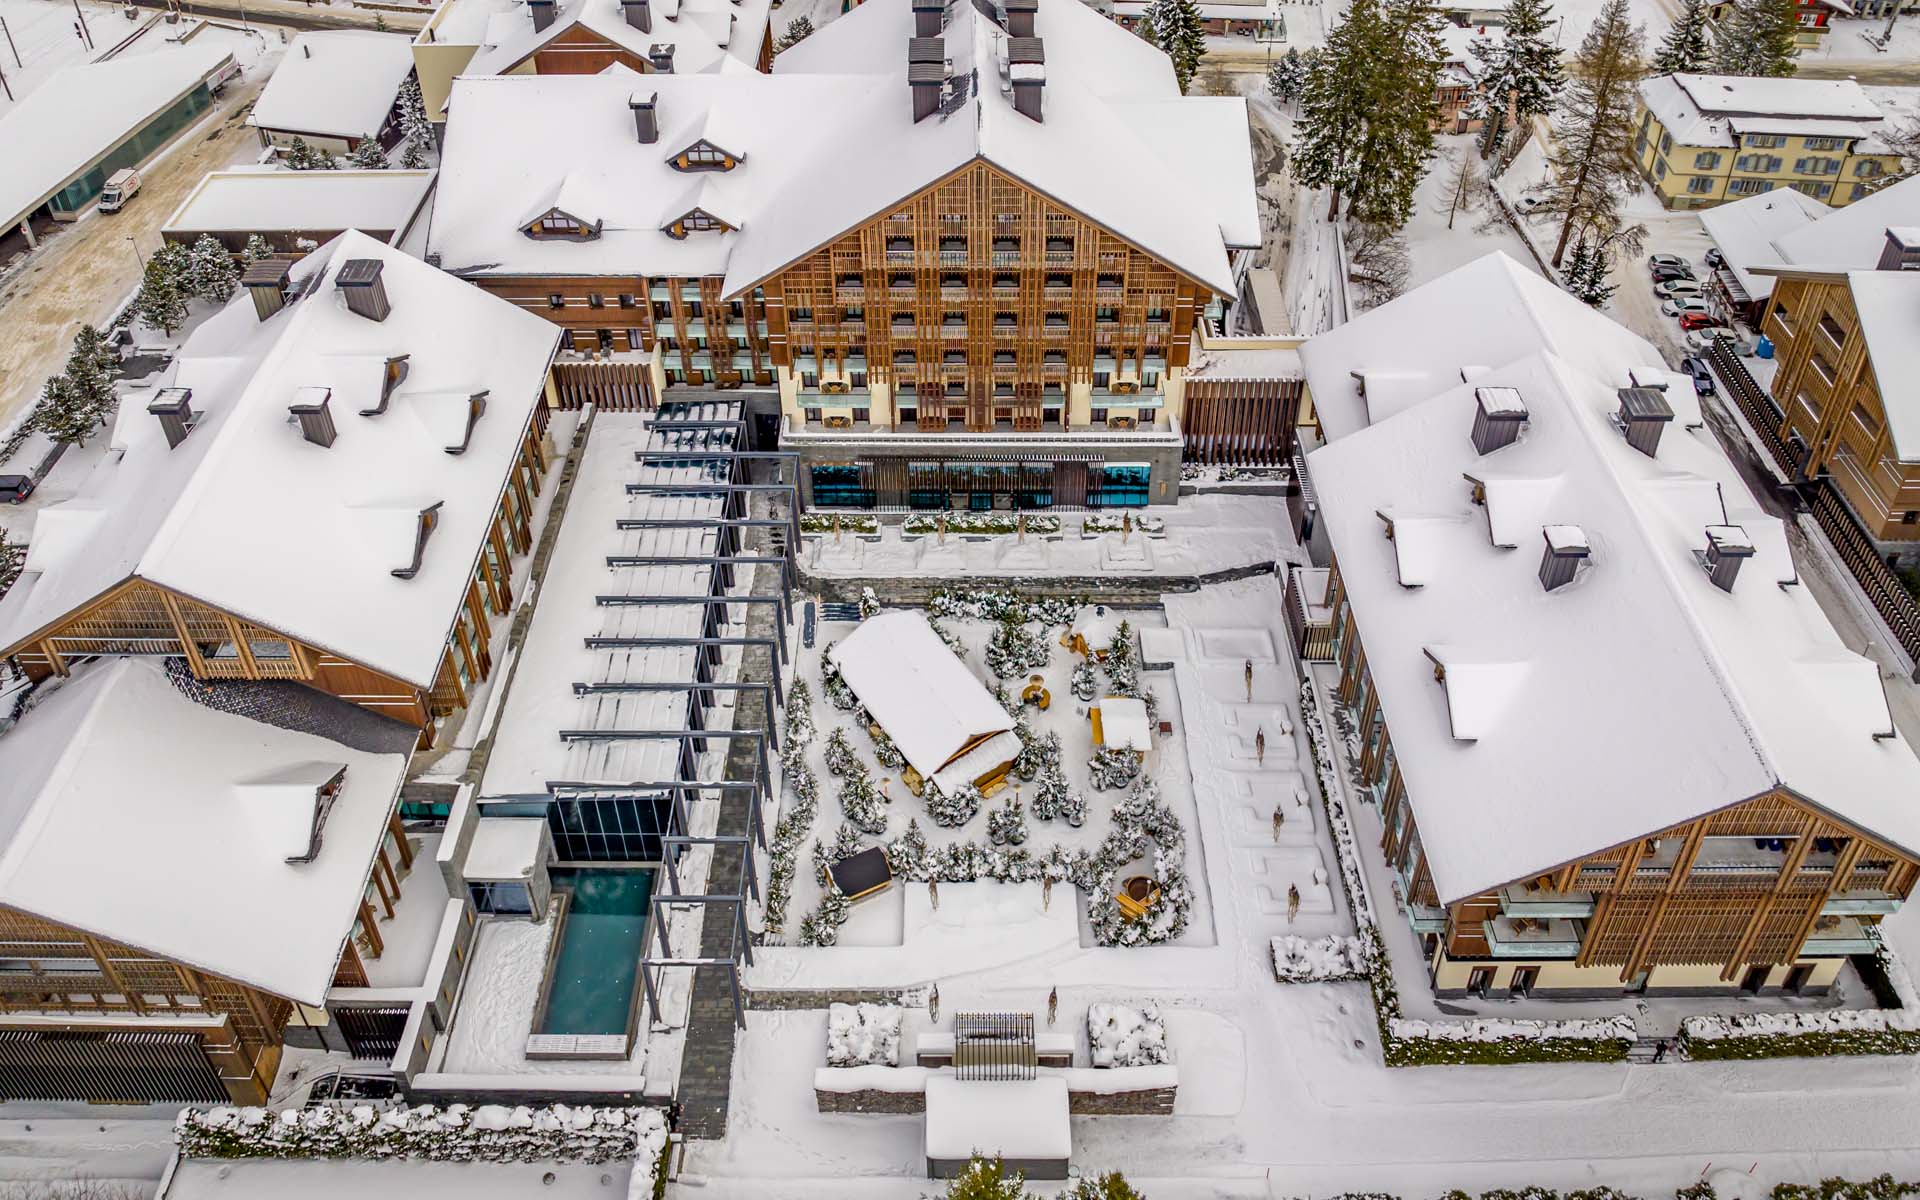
[839,754]
[986,1179]
[1049,612]
[1085,684]
[884,751]
[1118,523]
[860,1035]
[1013,650]
[952,811]
[862,803]
[869,603]
[1035,751]
[1318,960]
[799,727]
[844,522]
[844,844]
[921,524]
[456,1133]
[1007,824]
[1123,1036]
[948,638]
[821,927]
[1113,767]
[838,693]
[795,825]
[1123,670]
[1141,822]
[907,854]
[1801,1034]
[1111,1186]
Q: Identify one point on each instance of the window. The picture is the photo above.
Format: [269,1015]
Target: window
[857,379]
[863,414]
[697,222]
[1766,141]
[1706,161]
[556,224]
[1821,366]
[556,300]
[596,300]
[811,414]
[1832,329]
[700,156]
[627,300]
[809,379]
[1666,143]
[1819,191]
[1099,415]
[1823,143]
[1867,168]
[1910,517]
[509,898]
[1660,169]
[1748,187]
[1700,184]
[798,313]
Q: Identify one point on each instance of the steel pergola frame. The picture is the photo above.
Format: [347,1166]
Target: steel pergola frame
[765,690]
[689,738]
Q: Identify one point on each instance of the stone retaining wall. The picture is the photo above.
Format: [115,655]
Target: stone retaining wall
[883,1103]
[1153,1102]
[799,998]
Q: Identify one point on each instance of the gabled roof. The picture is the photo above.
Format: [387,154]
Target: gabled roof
[1712,110]
[131,812]
[1634,698]
[1750,232]
[335,83]
[254,199]
[248,516]
[926,699]
[705,34]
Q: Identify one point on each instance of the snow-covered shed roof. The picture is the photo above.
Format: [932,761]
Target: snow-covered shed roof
[1098,624]
[335,83]
[1748,232]
[926,699]
[707,36]
[1712,110]
[135,813]
[247,515]
[1889,306]
[73,119]
[269,201]
[1124,724]
[1532,726]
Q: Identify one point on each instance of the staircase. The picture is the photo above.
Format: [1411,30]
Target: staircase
[837,610]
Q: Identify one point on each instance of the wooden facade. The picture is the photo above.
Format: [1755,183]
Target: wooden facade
[578,50]
[137,616]
[1828,406]
[979,302]
[1240,421]
[1669,898]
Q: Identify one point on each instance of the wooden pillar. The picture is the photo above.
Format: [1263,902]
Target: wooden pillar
[370,927]
[399,833]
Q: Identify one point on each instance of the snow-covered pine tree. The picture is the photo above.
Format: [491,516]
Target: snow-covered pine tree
[1685,49]
[1181,33]
[948,637]
[1111,1186]
[13,556]
[255,250]
[416,129]
[211,274]
[1520,70]
[1593,163]
[985,1179]
[862,803]
[798,30]
[1112,767]
[799,724]
[89,371]
[1007,824]
[907,854]
[64,413]
[1013,649]
[840,757]
[1085,684]
[821,927]
[1758,37]
[869,603]
[159,302]
[1586,272]
[296,155]
[367,155]
[1035,751]
[955,810]
[1286,77]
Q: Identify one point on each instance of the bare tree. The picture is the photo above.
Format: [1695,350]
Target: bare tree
[1464,184]
[1377,261]
[1592,160]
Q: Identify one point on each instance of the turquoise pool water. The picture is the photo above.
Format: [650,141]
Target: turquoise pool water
[594,974]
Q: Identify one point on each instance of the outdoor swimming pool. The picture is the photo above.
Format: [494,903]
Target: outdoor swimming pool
[590,983]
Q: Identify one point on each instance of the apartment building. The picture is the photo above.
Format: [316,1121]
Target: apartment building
[1813,18]
[1614,743]
[994,310]
[1707,139]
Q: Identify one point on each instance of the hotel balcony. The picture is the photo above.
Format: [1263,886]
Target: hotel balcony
[1532,937]
[1859,903]
[1517,901]
[1841,936]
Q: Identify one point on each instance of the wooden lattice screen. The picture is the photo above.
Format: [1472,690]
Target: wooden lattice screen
[994,1046]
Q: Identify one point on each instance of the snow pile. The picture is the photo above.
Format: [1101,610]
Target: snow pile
[860,1035]
[1716,1026]
[457,1133]
[1501,1029]
[1122,1036]
[1318,960]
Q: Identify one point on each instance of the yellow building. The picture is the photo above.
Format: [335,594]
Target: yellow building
[1707,139]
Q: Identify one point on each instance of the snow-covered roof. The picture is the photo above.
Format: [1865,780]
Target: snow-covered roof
[268,201]
[1124,724]
[1853,237]
[1748,232]
[841,96]
[247,515]
[505,848]
[1025,1120]
[1709,110]
[335,83]
[1888,303]
[1097,623]
[132,812]
[1512,757]
[707,36]
[926,699]
[72,120]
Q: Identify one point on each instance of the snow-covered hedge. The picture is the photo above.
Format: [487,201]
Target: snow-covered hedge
[1618,1028]
[1123,1036]
[1797,1034]
[862,1035]
[1104,523]
[979,522]
[849,523]
[1318,960]
[983,605]
[796,817]
[456,1133]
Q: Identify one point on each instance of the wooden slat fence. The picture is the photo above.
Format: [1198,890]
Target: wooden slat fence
[1240,422]
[613,386]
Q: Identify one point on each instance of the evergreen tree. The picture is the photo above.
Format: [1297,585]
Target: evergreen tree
[415,127]
[64,413]
[255,250]
[1178,29]
[1685,47]
[1007,824]
[368,156]
[1521,77]
[295,156]
[1111,1186]
[159,302]
[1286,77]
[90,369]
[13,557]
[839,754]
[986,1179]
[798,30]
[951,811]
[862,804]
[211,274]
[1757,37]
[1592,159]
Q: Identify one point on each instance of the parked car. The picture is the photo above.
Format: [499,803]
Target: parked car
[1686,304]
[1664,274]
[1700,340]
[1715,258]
[1678,287]
[121,187]
[1702,376]
[1668,260]
[1698,320]
[1528,203]
[15,488]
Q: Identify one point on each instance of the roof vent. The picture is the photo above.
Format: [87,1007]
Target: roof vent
[174,407]
[639,14]
[1902,251]
[1498,417]
[359,281]
[927,17]
[1020,17]
[269,281]
[311,406]
[926,79]
[542,12]
[646,116]
[1727,547]
[1643,414]
[927,49]
[391,376]
[1566,549]
[660,57]
[476,407]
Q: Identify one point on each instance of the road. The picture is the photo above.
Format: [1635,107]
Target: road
[82,273]
[297,15]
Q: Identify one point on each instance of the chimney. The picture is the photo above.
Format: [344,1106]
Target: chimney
[366,294]
[174,407]
[646,116]
[1727,547]
[542,12]
[316,419]
[1902,251]
[1566,549]
[639,14]
[927,17]
[1026,59]
[1643,414]
[1020,17]
[660,57]
[1498,417]
[926,80]
[269,282]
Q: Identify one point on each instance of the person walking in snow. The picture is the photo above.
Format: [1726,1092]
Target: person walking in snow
[1279,819]
[1053,1006]
[1249,674]
[1260,746]
[1293,902]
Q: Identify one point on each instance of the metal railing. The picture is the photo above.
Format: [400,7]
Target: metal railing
[991,1047]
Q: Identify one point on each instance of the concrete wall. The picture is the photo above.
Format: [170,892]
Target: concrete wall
[1564,980]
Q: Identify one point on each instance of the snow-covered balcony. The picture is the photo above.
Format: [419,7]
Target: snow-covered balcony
[1517,900]
[1533,937]
[1834,937]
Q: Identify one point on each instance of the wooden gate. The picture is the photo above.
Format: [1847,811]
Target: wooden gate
[143,1068]
[613,386]
[372,1032]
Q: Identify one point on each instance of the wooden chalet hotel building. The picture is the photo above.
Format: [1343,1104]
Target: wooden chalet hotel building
[968,246]
[1613,743]
[282,573]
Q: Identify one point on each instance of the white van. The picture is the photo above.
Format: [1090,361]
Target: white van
[120,188]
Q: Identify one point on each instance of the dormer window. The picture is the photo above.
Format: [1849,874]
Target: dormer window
[558,225]
[704,156]
[696,220]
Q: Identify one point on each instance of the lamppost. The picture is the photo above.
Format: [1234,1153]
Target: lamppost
[139,264]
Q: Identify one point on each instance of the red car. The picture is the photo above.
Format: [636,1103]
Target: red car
[1696,320]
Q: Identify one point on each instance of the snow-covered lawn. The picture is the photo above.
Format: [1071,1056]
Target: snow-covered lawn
[1434,248]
